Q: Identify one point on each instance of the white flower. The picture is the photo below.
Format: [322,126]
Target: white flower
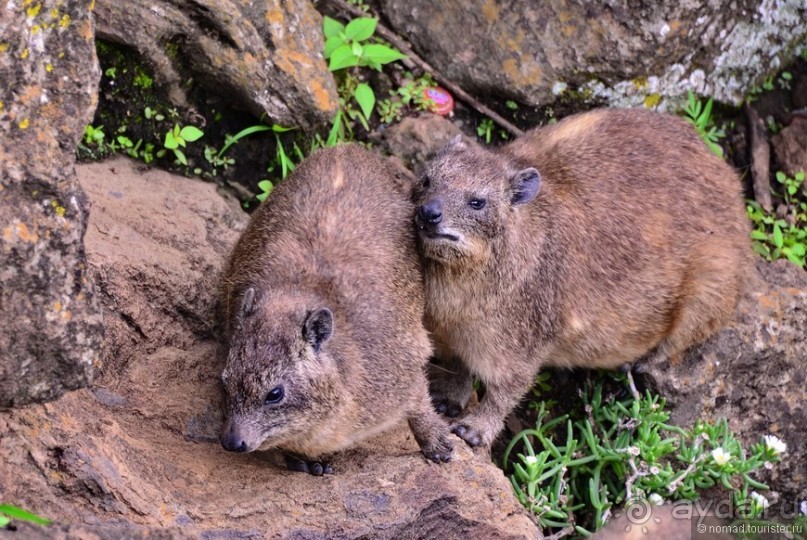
[654,470]
[634,450]
[656,499]
[760,501]
[776,444]
[720,456]
[530,460]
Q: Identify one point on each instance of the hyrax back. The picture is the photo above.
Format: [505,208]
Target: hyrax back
[324,304]
[609,236]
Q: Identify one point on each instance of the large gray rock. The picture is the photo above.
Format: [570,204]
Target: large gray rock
[50,321]
[753,374]
[624,51]
[140,450]
[266,55]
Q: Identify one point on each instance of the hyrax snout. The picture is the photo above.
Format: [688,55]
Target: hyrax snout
[608,237]
[324,308]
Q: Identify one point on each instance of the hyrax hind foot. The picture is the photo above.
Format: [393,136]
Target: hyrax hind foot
[315,468]
[450,386]
[432,435]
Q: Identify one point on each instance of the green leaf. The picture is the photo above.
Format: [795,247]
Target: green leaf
[343,57]
[180,156]
[331,27]
[800,250]
[335,134]
[240,135]
[4,521]
[778,239]
[191,133]
[361,28]
[266,187]
[366,98]
[715,148]
[170,141]
[331,44]
[356,48]
[23,515]
[381,54]
[781,177]
[758,235]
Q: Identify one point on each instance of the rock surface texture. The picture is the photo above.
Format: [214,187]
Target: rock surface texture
[790,146]
[753,374]
[50,321]
[267,54]
[625,52]
[139,451]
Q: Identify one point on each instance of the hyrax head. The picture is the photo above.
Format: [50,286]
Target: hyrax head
[465,198]
[279,375]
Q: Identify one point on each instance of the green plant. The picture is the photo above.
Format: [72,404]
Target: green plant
[94,136]
[413,91]
[782,237]
[150,113]
[700,116]
[390,111]
[266,188]
[576,468]
[485,129]
[142,79]
[177,137]
[351,46]
[347,46]
[9,512]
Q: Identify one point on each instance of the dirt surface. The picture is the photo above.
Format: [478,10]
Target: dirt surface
[139,451]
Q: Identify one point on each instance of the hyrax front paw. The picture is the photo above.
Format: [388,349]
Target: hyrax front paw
[474,432]
[438,449]
[432,434]
[312,467]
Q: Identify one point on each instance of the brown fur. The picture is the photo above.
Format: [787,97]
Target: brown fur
[636,244]
[336,234]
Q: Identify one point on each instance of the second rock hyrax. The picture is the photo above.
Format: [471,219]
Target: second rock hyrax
[324,308]
[610,236]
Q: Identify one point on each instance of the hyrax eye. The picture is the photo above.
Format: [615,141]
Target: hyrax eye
[275,395]
[477,204]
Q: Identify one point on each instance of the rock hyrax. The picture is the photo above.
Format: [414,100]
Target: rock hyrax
[610,236]
[324,310]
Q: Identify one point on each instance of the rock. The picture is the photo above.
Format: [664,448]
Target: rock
[752,373]
[416,139]
[61,531]
[266,55]
[625,52]
[142,448]
[790,146]
[50,319]
[799,93]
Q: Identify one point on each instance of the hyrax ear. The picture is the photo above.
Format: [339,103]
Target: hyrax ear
[318,327]
[248,302]
[525,185]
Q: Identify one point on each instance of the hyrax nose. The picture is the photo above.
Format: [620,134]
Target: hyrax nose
[432,211]
[233,443]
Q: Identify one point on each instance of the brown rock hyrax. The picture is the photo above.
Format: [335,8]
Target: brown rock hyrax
[324,308]
[610,236]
